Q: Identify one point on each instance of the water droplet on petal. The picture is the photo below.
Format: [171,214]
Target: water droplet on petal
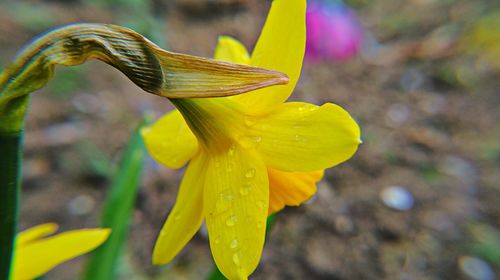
[250,141]
[250,173]
[231,221]
[236,259]
[233,244]
[250,121]
[217,240]
[177,217]
[246,189]
[261,204]
[231,151]
[259,224]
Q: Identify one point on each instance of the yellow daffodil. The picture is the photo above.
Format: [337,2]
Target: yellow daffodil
[35,254]
[249,154]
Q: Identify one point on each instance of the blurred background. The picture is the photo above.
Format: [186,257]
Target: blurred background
[419,200]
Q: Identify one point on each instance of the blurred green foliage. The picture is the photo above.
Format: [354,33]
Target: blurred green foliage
[486,242]
[137,15]
[118,209]
[67,79]
[34,17]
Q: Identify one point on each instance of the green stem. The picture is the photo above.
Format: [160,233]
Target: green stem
[10,171]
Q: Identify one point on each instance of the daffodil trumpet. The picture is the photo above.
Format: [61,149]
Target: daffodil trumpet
[36,252]
[249,155]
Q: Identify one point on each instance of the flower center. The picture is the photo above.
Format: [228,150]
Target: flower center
[216,122]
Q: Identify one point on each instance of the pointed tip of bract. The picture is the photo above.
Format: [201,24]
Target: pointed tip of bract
[186,76]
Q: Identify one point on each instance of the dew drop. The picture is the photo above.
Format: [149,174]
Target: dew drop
[231,221]
[244,191]
[231,151]
[250,121]
[236,259]
[229,197]
[250,141]
[233,244]
[250,173]
[217,240]
[259,224]
[177,217]
[261,204]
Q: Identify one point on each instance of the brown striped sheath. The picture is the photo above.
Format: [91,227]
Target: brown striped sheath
[157,71]
[154,70]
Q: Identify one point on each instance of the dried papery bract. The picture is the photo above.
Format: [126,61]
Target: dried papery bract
[154,70]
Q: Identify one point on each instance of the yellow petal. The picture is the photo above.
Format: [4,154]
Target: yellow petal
[290,188]
[231,50]
[35,233]
[304,137]
[170,141]
[38,257]
[236,201]
[280,47]
[186,216]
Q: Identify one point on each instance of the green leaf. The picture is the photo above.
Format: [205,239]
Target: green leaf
[117,211]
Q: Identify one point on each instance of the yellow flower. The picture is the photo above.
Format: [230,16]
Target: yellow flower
[249,154]
[35,255]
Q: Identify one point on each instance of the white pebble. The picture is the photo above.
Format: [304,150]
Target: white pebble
[397,197]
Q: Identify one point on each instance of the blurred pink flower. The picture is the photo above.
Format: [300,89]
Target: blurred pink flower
[333,31]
